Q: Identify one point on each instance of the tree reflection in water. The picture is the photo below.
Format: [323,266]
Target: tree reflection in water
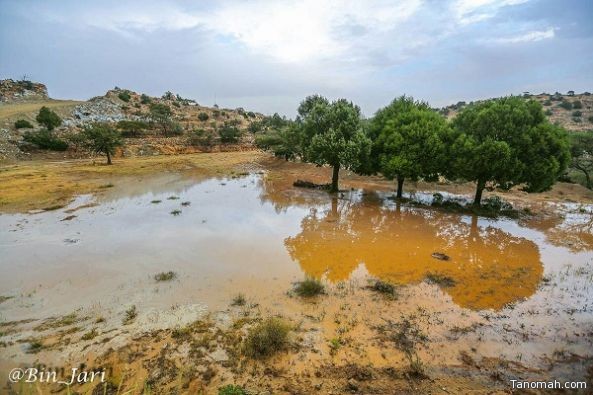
[490,267]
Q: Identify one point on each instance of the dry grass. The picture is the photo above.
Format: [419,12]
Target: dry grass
[32,108]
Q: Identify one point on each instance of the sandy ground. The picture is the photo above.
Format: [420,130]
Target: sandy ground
[472,337]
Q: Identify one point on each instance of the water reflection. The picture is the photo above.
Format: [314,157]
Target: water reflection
[490,267]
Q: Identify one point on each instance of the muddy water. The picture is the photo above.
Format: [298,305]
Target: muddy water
[256,235]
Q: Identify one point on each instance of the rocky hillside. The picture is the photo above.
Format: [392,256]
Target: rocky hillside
[190,126]
[572,111]
[18,91]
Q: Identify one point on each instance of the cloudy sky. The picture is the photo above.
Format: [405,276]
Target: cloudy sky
[268,55]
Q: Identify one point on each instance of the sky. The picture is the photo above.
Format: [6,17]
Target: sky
[266,56]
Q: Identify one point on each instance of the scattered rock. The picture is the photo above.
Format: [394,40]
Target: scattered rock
[440,256]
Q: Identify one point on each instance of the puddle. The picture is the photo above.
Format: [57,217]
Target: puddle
[256,234]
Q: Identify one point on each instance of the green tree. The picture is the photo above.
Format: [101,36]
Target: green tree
[162,116]
[100,138]
[229,133]
[408,142]
[508,142]
[48,118]
[332,135]
[283,143]
[582,155]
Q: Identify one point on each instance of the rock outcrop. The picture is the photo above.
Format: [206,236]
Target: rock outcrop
[18,91]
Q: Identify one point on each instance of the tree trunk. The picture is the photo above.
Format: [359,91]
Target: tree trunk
[479,188]
[335,175]
[108,158]
[400,187]
[588,177]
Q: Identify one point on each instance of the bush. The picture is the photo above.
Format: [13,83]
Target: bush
[132,128]
[548,102]
[201,138]
[231,390]
[267,338]
[48,118]
[577,120]
[165,276]
[548,112]
[577,104]
[229,134]
[125,96]
[22,123]
[590,119]
[203,116]
[255,127]
[46,140]
[566,105]
[577,113]
[145,99]
[496,203]
[309,287]
[384,288]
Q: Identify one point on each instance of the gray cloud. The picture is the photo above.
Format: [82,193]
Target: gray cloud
[267,56]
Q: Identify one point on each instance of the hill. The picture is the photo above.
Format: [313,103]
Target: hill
[574,112]
[194,128]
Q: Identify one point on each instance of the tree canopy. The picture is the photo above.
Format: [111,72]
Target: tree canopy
[101,138]
[331,134]
[48,118]
[408,142]
[507,142]
[582,155]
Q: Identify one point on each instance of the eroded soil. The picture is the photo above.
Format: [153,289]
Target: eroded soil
[511,300]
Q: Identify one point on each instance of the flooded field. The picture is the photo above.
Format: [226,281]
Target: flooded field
[476,301]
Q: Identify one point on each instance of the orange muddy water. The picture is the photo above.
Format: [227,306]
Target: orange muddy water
[256,234]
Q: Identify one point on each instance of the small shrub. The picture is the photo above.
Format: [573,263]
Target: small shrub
[309,287]
[566,105]
[577,113]
[577,105]
[130,315]
[35,346]
[231,389]
[548,103]
[201,138]
[46,140]
[145,99]
[155,201]
[229,133]
[496,203]
[124,96]
[577,120]
[165,276]
[384,288]
[266,338]
[23,124]
[176,212]
[132,128]
[590,119]
[239,300]
[203,116]
[548,112]
[90,334]
[441,279]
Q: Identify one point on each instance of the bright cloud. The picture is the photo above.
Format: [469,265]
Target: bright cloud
[529,36]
